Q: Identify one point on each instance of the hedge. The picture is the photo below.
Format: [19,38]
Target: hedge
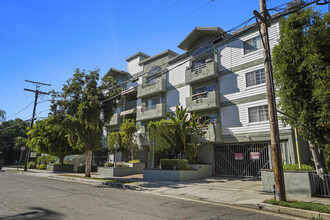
[174,164]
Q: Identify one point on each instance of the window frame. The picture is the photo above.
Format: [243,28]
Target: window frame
[256,47]
[261,110]
[254,72]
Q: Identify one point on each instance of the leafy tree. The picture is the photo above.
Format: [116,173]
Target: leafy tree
[127,131]
[49,137]
[9,130]
[2,115]
[301,72]
[180,123]
[113,138]
[85,107]
[165,138]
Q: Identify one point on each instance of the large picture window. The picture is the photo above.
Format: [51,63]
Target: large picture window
[258,114]
[255,78]
[252,45]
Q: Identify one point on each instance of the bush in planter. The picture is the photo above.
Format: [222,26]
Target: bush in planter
[109,164]
[121,165]
[134,161]
[41,167]
[295,167]
[174,164]
[31,165]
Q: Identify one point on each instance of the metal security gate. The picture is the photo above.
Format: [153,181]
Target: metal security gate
[241,159]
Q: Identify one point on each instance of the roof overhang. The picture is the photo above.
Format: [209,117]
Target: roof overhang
[114,72]
[197,34]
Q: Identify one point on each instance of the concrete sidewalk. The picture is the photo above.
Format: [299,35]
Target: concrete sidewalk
[225,190]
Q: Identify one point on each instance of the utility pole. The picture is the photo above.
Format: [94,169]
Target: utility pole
[37,92]
[272,113]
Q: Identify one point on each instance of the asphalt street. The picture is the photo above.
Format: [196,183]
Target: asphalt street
[28,197]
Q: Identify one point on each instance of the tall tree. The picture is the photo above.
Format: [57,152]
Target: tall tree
[9,130]
[48,137]
[301,72]
[85,108]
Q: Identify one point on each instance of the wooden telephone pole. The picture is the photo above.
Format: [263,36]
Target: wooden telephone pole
[37,92]
[274,131]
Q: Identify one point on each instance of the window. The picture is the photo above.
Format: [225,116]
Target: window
[255,78]
[252,45]
[151,80]
[197,65]
[152,103]
[258,114]
[209,118]
[202,91]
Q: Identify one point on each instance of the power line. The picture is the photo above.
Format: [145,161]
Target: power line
[20,110]
[276,16]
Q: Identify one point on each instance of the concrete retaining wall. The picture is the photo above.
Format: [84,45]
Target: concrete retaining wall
[137,167]
[115,171]
[60,168]
[196,172]
[296,182]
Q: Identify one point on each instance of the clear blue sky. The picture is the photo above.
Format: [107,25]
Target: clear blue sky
[45,40]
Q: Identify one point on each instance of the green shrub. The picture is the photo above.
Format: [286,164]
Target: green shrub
[109,164]
[301,205]
[41,167]
[31,165]
[296,167]
[134,161]
[174,164]
[121,165]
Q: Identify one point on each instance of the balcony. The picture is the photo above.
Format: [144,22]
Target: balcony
[202,101]
[115,119]
[202,72]
[158,86]
[213,133]
[151,112]
[130,108]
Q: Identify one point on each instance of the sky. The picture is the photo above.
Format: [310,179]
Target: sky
[46,40]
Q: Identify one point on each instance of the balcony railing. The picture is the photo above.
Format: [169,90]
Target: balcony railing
[202,101]
[130,105]
[158,86]
[202,72]
[151,112]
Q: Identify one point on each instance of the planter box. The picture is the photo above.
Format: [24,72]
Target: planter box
[296,182]
[81,168]
[60,168]
[137,167]
[115,171]
[198,171]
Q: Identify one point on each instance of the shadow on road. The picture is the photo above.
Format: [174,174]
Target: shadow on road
[35,213]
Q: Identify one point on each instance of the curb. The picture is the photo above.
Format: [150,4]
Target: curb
[293,211]
[95,182]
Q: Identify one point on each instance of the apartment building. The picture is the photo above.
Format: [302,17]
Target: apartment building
[221,77]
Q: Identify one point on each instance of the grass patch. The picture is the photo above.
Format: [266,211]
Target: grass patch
[301,205]
[95,178]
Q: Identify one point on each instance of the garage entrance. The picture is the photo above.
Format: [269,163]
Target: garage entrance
[241,159]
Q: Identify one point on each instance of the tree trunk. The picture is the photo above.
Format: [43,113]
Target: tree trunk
[61,159]
[319,166]
[88,164]
[323,160]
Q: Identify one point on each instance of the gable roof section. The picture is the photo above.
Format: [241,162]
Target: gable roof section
[164,53]
[197,34]
[137,54]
